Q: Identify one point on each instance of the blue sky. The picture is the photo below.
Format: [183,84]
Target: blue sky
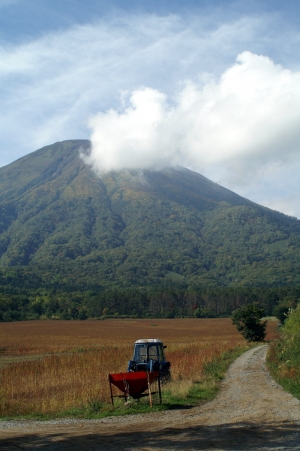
[210,85]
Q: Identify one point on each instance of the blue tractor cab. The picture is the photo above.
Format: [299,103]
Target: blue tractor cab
[149,356]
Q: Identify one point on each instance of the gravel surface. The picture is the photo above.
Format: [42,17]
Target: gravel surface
[251,412]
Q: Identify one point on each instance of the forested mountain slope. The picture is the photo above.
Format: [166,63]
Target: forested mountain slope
[152,243]
[62,227]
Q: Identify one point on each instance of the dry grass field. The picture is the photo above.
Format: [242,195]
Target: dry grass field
[48,367]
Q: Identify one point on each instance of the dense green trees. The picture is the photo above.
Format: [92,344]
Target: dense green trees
[25,296]
[248,321]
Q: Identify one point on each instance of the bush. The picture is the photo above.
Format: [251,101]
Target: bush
[284,355]
[247,320]
[291,331]
[282,309]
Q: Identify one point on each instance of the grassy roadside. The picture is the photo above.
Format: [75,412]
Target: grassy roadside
[281,371]
[175,395]
[283,359]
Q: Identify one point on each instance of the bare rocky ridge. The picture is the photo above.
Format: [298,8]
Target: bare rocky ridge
[251,412]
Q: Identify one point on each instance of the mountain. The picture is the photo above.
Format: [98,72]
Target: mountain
[62,227]
[138,226]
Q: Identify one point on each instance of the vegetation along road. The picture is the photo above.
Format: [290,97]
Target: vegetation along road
[251,412]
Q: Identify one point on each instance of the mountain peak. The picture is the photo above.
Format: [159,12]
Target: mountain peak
[137,227]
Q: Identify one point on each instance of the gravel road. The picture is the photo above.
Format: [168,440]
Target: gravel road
[251,412]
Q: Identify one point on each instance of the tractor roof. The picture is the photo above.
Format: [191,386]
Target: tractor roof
[148,340]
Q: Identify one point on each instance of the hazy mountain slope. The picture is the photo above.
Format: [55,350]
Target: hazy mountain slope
[135,227]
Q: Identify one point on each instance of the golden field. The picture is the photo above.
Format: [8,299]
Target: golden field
[53,366]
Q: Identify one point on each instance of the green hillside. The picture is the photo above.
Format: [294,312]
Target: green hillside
[64,230]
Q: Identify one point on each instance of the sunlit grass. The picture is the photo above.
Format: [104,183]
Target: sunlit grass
[283,358]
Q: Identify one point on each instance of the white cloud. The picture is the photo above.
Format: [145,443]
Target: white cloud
[131,139]
[246,119]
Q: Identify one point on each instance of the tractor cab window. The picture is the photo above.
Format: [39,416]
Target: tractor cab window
[141,353]
[152,352]
[161,353]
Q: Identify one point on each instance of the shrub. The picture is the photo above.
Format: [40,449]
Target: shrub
[281,311]
[284,355]
[247,320]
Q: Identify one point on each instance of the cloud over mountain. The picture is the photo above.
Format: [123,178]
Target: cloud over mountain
[246,120]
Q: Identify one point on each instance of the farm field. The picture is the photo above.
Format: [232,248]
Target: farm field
[47,367]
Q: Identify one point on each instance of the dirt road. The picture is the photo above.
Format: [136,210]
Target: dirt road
[250,413]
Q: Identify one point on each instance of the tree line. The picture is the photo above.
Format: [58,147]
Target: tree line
[160,302]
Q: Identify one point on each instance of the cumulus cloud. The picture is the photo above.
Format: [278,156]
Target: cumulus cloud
[240,124]
[131,139]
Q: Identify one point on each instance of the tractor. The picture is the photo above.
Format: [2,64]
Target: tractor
[147,367]
[148,355]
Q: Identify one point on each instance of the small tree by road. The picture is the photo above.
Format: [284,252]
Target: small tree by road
[248,321]
[282,309]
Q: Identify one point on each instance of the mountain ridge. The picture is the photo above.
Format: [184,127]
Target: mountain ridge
[64,228]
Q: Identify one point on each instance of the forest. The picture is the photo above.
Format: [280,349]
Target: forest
[169,243]
[21,301]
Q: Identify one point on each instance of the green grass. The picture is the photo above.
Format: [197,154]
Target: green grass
[278,366]
[290,386]
[283,359]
